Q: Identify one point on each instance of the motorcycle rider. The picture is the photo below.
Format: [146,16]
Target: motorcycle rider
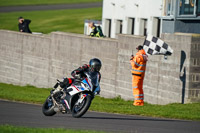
[93,67]
[91,72]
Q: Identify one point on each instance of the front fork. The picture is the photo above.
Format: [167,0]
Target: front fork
[58,106]
[81,98]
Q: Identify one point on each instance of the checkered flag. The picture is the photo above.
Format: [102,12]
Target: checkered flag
[154,46]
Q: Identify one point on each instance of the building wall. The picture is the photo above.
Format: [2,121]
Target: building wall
[150,11]
[178,22]
[39,60]
[194,79]
[122,10]
[24,59]
[168,26]
[183,26]
[187,26]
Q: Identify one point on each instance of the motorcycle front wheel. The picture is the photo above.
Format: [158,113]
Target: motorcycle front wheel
[48,107]
[79,109]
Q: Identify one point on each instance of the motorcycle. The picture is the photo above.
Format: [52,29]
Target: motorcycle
[75,99]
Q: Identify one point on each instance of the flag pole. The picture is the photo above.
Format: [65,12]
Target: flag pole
[132,53]
[145,40]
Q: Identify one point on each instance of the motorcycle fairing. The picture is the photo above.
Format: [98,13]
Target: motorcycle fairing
[88,84]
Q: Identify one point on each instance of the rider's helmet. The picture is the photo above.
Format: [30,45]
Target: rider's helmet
[95,64]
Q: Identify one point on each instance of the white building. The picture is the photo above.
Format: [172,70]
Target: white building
[137,17]
[142,17]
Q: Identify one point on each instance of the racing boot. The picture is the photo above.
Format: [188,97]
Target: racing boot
[138,104]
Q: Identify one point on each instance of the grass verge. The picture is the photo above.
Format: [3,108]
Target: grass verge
[116,105]
[29,94]
[56,20]
[41,2]
[16,129]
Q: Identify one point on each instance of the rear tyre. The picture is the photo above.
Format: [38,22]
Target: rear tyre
[48,107]
[80,110]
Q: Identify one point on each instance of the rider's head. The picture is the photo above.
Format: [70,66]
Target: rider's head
[95,64]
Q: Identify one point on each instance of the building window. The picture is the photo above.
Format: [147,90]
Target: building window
[108,27]
[131,26]
[187,7]
[156,27]
[198,7]
[119,26]
[145,27]
[120,31]
[169,8]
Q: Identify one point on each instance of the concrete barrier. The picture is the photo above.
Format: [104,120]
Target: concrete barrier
[39,60]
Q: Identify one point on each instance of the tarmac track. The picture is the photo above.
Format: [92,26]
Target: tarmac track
[29,115]
[49,7]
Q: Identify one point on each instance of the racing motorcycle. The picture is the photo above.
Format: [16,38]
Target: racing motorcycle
[75,99]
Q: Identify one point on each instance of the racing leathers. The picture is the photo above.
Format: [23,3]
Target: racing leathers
[79,74]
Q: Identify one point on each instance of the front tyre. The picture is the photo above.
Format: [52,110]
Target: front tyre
[48,107]
[80,109]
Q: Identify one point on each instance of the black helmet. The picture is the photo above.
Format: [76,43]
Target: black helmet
[140,47]
[95,64]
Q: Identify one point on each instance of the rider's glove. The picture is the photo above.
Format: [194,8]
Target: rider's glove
[132,56]
[77,72]
[77,76]
[64,83]
[97,93]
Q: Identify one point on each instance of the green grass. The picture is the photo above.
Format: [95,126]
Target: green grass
[20,93]
[15,129]
[47,21]
[116,105]
[175,110]
[41,2]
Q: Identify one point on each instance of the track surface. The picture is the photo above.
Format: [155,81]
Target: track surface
[21,114]
[50,7]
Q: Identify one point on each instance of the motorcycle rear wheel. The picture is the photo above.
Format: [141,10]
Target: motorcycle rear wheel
[48,107]
[80,111]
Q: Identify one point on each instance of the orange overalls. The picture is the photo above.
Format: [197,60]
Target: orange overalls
[138,64]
